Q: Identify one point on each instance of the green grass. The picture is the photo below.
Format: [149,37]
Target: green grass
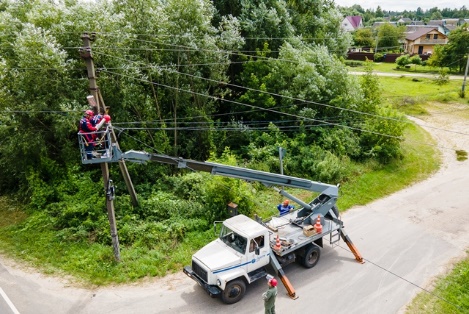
[370,183]
[388,67]
[450,293]
[90,263]
[392,68]
[412,95]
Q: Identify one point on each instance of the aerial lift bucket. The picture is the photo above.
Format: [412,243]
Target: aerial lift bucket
[96,151]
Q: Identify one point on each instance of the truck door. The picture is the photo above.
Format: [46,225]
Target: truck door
[260,260]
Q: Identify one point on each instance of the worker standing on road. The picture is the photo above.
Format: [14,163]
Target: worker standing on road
[270,295]
[285,207]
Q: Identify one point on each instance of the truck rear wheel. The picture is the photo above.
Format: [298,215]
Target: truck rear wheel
[234,291]
[311,257]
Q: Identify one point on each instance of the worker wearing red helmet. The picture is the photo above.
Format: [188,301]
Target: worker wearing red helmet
[270,295]
[285,207]
[87,129]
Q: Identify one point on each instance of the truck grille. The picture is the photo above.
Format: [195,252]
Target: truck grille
[199,271]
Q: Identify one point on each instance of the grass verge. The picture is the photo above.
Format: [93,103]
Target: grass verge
[449,295]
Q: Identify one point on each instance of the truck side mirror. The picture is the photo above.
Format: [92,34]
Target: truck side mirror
[256,250]
[215,224]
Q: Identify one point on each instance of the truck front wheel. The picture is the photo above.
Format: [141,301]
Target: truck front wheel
[311,257]
[234,291]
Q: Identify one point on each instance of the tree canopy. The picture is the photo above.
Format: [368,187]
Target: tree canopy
[226,80]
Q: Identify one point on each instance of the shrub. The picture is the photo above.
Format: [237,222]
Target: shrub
[379,57]
[402,61]
[353,63]
[442,77]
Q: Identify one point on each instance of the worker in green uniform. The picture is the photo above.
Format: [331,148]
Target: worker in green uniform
[270,295]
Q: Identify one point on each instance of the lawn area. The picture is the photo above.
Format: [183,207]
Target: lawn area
[450,293]
[388,67]
[411,95]
[392,68]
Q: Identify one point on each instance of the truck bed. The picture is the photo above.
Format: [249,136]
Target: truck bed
[291,235]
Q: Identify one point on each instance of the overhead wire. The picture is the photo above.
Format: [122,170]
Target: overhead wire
[273,94]
[324,123]
[283,96]
[287,97]
[406,280]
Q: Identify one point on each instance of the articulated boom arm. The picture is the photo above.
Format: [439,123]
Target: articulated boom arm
[267,178]
[110,152]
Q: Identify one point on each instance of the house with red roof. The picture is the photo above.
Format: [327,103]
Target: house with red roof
[352,23]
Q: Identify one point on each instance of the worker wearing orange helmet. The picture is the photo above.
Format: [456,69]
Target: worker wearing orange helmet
[285,207]
[270,295]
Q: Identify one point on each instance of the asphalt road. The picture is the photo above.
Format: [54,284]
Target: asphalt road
[407,239]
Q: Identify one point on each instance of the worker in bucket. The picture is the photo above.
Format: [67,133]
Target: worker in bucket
[270,295]
[101,135]
[285,207]
[88,132]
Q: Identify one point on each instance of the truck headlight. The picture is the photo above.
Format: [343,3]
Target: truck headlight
[218,282]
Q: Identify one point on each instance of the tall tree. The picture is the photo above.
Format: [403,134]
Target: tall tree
[389,36]
[456,50]
[265,21]
[363,38]
[318,22]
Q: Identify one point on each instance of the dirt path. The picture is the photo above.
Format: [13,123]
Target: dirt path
[408,239]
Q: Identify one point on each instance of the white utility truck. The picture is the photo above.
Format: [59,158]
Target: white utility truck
[245,246]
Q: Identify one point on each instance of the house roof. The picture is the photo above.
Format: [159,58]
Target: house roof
[354,20]
[435,22]
[420,32]
[377,24]
[414,28]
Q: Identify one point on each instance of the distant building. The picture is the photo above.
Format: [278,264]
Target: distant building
[378,24]
[352,23]
[404,21]
[424,40]
[447,24]
[413,28]
[436,22]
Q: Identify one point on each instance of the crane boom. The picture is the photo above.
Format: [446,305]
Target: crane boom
[267,178]
[326,200]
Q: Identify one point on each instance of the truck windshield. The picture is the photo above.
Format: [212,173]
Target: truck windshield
[232,239]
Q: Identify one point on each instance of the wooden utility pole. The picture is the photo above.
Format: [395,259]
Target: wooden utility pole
[85,53]
[465,75]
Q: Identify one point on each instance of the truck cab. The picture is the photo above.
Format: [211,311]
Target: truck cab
[236,258]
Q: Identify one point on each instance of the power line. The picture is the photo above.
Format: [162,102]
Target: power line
[324,123]
[408,281]
[295,99]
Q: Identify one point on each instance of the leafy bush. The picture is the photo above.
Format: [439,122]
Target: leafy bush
[353,63]
[378,57]
[402,61]
[416,60]
[442,77]
[340,142]
[381,138]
